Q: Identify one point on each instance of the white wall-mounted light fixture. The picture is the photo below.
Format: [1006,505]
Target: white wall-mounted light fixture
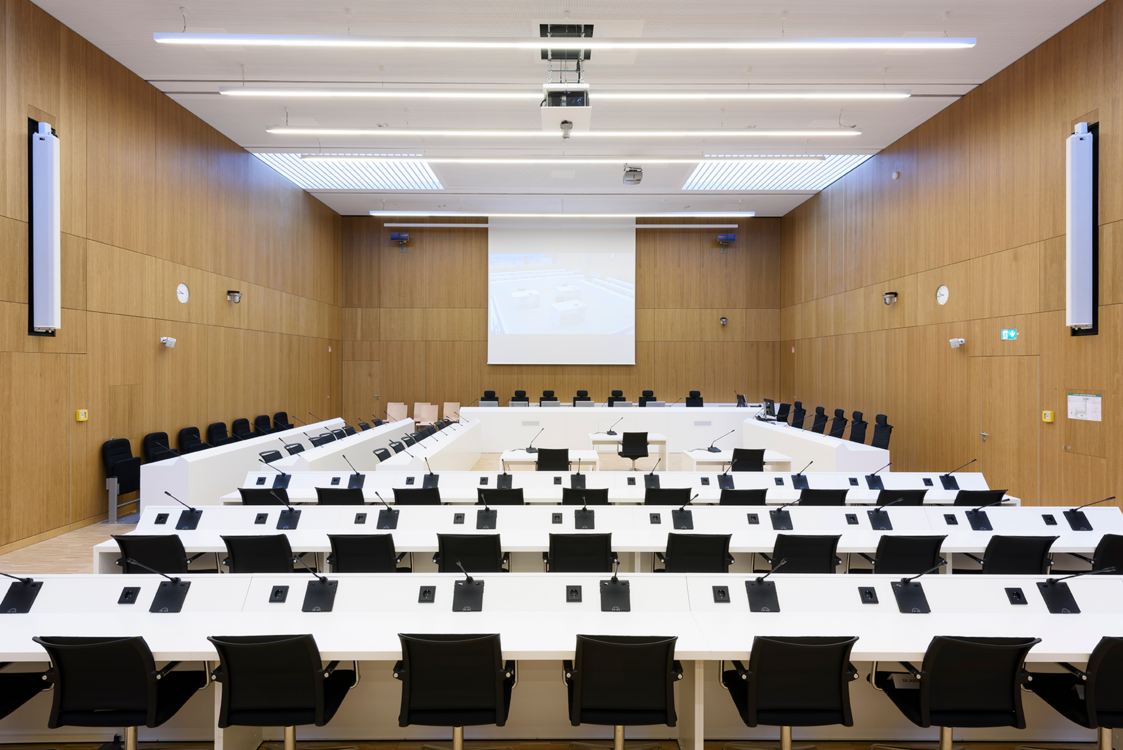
[168,341]
[889,298]
[234,296]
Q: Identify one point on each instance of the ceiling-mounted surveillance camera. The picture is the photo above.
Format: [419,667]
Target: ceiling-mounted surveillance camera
[168,341]
[889,297]
[956,343]
[724,321]
[566,127]
[632,175]
[234,295]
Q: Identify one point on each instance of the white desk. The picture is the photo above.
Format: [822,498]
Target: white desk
[560,312]
[696,460]
[520,457]
[828,453]
[358,449]
[455,448]
[657,439]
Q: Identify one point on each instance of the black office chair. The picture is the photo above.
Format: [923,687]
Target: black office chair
[907,497]
[17,688]
[409,441]
[695,553]
[552,459]
[793,681]
[666,496]
[113,682]
[119,462]
[263,495]
[261,424]
[1014,555]
[189,441]
[294,448]
[489,396]
[348,431]
[491,497]
[340,434]
[798,415]
[820,498]
[363,426]
[976,498]
[743,497]
[1108,554]
[156,447]
[417,496]
[162,552]
[364,553]
[268,553]
[396,446]
[905,555]
[963,682]
[857,428]
[478,553]
[694,398]
[581,396]
[819,422]
[454,681]
[882,430]
[571,496]
[520,397]
[281,421]
[547,396]
[271,680]
[633,446]
[241,428]
[838,424]
[606,668]
[270,456]
[323,439]
[747,459]
[217,434]
[803,553]
[339,496]
[645,397]
[1101,705]
[616,396]
[782,411]
[580,553]
[382,454]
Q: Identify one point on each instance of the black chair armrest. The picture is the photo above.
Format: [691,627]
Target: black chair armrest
[193,558]
[119,562]
[507,561]
[911,669]
[219,674]
[837,560]
[1085,558]
[1073,670]
[509,669]
[401,556]
[226,561]
[767,558]
[729,559]
[979,560]
[661,557]
[739,668]
[851,671]
[437,559]
[867,558]
[399,669]
[326,671]
[567,670]
[545,558]
[676,670]
[330,560]
[167,668]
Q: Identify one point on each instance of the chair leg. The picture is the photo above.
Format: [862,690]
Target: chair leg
[290,741]
[1103,741]
[458,742]
[785,743]
[945,743]
[617,743]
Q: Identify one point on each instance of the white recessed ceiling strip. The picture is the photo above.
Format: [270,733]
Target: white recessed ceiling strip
[384,174]
[744,133]
[559,215]
[739,174]
[561,43]
[762,94]
[640,160]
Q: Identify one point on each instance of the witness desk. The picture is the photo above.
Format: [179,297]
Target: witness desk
[638,530]
[623,487]
[510,459]
[539,628]
[599,439]
[699,460]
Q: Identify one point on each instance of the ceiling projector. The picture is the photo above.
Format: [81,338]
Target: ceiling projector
[632,175]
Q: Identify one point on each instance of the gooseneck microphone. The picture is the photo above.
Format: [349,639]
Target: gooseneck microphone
[274,468]
[427,466]
[530,448]
[881,508]
[973,460]
[782,563]
[907,581]
[886,466]
[788,505]
[988,505]
[676,400]
[610,431]
[1108,569]
[231,434]
[27,581]
[349,463]
[465,572]
[688,502]
[314,417]
[615,570]
[320,578]
[1085,505]
[282,502]
[656,466]
[131,561]
[298,419]
[805,468]
[712,449]
[173,497]
[383,501]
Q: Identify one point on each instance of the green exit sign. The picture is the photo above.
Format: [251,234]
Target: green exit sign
[1009,334]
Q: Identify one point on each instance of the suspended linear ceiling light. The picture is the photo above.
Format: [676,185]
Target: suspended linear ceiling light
[580,134]
[329,158]
[336,93]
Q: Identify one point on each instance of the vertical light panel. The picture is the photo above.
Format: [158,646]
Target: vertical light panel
[1079,229]
[46,232]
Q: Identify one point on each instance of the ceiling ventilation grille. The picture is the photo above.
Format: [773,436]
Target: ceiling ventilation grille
[391,174]
[749,175]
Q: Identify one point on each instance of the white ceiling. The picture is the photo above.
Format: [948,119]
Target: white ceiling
[1005,29]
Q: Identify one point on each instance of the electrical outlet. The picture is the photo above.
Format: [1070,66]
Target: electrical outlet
[853,481]
[557,480]
[334,481]
[260,518]
[458,518]
[573,593]
[950,519]
[279,594]
[779,481]
[129,595]
[868,594]
[556,518]
[631,481]
[261,480]
[1049,518]
[161,519]
[483,481]
[852,519]
[754,519]
[427,595]
[360,518]
[706,481]
[721,594]
[656,518]
[409,480]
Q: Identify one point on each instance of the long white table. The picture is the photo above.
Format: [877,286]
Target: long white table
[358,449]
[699,460]
[623,487]
[455,448]
[510,459]
[828,453]
[538,627]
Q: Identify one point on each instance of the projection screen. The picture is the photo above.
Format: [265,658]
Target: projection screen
[560,294]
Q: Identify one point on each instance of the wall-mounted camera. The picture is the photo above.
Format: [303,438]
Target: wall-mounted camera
[889,297]
[956,343]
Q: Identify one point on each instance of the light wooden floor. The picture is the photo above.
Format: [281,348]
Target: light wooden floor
[73,552]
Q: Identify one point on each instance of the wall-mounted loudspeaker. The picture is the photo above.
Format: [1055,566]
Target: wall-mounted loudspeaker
[46,232]
[1080,228]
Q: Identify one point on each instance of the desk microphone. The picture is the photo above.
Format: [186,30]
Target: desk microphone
[427,466]
[322,579]
[948,481]
[653,468]
[231,434]
[131,561]
[282,502]
[185,505]
[788,505]
[881,508]
[460,414]
[409,454]
[298,419]
[760,579]
[610,431]
[28,581]
[712,449]
[1085,505]
[174,453]
[1109,569]
[357,474]
[988,505]
[973,460]
[688,502]
[676,400]
[274,468]
[383,501]
[465,572]
[886,466]
[805,468]
[839,435]
[907,581]
[530,448]
[314,417]
[615,570]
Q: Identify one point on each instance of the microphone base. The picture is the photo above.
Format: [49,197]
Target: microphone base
[610,432]
[531,450]
[724,482]
[189,520]
[712,449]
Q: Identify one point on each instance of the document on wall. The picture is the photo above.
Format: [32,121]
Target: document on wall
[1086,406]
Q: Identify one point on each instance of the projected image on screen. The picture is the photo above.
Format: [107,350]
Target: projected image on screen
[561,296]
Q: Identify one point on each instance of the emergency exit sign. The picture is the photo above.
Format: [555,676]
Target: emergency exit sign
[1009,334]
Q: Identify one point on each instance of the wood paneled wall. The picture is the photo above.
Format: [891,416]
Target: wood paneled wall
[151,197]
[979,206]
[415,323]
